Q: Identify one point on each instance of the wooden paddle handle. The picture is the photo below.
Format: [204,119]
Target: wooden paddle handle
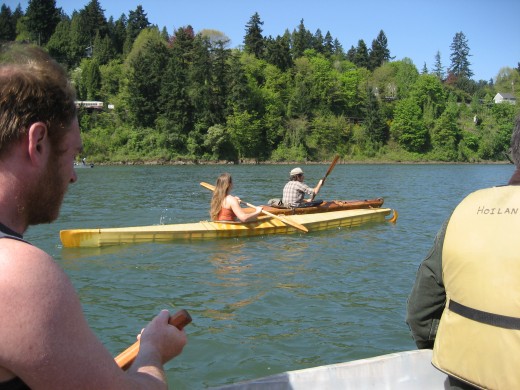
[127,357]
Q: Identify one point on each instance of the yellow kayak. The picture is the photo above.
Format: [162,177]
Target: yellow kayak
[210,230]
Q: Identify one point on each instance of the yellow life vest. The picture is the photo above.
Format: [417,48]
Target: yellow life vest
[478,340]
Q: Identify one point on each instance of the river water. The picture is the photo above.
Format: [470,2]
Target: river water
[260,305]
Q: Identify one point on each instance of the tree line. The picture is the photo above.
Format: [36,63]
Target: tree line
[298,96]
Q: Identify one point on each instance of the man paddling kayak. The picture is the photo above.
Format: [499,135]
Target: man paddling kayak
[295,189]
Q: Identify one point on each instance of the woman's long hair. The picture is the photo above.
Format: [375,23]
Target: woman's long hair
[222,187]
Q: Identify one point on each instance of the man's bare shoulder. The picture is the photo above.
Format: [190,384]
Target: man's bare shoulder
[32,286]
[45,337]
[24,266]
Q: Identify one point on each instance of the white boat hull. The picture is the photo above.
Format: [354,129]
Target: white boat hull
[409,370]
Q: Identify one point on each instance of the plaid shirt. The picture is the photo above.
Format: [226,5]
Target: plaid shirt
[294,192]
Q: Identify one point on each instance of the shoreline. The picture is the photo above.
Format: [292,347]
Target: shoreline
[340,161]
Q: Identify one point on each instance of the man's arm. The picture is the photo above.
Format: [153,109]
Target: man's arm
[428,297]
[318,187]
[47,341]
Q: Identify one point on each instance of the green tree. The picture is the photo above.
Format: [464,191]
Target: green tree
[379,54]
[42,17]
[7,24]
[405,77]
[274,95]
[253,40]
[351,54]
[278,51]
[218,141]
[446,135]
[328,132]
[328,45]
[220,85]
[507,80]
[438,69]
[374,124]
[460,65]
[201,80]
[338,49]
[407,127]
[318,42]
[111,79]
[80,44]
[361,57]
[301,40]
[94,19]
[300,99]
[176,106]
[117,33]
[246,134]
[428,90]
[137,22]
[146,65]
[59,46]
[90,82]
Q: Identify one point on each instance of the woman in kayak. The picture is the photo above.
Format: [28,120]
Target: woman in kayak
[225,207]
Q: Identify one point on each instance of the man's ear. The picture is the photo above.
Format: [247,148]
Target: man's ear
[38,141]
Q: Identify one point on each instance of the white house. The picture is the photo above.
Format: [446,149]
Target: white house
[502,97]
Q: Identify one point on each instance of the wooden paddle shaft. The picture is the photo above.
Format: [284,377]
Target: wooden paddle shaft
[331,167]
[127,357]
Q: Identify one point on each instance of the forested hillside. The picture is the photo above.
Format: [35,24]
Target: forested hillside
[299,96]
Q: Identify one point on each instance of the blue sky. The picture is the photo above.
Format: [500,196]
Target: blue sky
[414,29]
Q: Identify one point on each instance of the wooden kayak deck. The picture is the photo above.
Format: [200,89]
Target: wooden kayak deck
[325,206]
[264,225]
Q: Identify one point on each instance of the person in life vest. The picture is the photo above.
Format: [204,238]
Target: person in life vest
[465,303]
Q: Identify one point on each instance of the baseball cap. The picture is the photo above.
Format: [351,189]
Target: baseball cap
[296,171]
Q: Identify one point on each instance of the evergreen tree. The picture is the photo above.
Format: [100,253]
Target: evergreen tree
[351,54]
[177,110]
[338,49]
[220,74]
[438,69]
[278,52]
[240,93]
[137,22]
[301,40]
[117,33]
[253,40]
[328,45]
[94,18]
[379,54]
[42,17]
[91,79]
[201,82]
[374,123]
[424,69]
[361,57]
[7,24]
[459,57]
[318,42]
[59,46]
[146,70]
[103,51]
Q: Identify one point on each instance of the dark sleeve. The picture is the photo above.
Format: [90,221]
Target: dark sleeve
[428,297]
